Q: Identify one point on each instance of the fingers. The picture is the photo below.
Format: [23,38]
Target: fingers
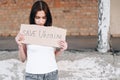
[19,38]
[63,45]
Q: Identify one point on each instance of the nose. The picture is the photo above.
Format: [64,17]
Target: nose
[40,22]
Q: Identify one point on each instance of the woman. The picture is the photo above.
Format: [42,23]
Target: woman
[41,63]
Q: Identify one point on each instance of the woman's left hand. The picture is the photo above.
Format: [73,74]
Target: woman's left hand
[63,45]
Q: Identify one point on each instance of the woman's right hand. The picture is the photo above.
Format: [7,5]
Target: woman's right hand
[19,38]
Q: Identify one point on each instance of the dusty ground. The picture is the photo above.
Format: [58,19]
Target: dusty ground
[73,65]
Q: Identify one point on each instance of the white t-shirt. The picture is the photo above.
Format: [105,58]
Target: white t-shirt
[40,59]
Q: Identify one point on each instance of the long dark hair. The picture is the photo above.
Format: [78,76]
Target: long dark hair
[38,6]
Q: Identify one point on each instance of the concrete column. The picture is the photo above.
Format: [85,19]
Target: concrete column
[103,25]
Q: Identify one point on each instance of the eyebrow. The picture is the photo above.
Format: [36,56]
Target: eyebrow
[40,17]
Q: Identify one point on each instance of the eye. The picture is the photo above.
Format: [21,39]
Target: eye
[37,17]
[44,17]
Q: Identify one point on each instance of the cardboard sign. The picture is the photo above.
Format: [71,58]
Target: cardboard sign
[40,35]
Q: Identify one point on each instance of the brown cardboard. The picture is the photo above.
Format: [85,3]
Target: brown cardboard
[40,35]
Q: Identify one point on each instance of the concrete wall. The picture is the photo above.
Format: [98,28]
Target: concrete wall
[79,17]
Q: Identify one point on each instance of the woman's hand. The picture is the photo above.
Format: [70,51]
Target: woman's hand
[63,45]
[19,38]
[22,47]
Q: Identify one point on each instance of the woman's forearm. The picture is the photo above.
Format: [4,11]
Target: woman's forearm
[22,53]
[58,52]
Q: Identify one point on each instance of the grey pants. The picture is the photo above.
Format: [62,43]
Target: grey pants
[49,76]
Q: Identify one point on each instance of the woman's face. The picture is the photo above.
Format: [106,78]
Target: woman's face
[40,18]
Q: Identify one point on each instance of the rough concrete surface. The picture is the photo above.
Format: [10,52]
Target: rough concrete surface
[72,64]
